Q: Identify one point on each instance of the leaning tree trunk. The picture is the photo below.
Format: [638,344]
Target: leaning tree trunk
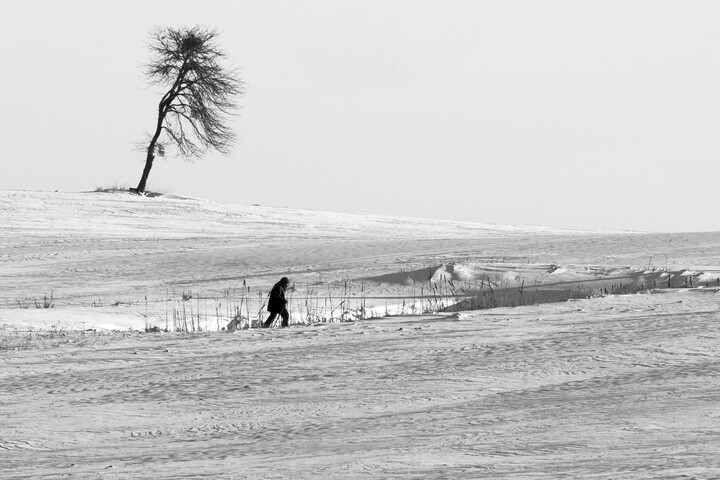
[146,171]
[163,107]
[151,148]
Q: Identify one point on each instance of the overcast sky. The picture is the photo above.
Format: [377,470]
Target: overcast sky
[558,113]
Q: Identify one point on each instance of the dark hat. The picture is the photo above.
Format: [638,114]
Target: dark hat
[284,280]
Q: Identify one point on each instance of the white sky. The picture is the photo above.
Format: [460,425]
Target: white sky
[557,113]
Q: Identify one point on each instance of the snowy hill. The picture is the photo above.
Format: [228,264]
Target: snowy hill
[91,251]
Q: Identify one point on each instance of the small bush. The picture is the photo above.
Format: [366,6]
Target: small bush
[112,188]
[46,302]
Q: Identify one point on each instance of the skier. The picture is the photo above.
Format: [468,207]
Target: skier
[277,304]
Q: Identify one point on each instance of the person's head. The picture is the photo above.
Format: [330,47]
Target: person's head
[284,281]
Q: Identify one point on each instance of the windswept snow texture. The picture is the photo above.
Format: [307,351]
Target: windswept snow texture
[619,386]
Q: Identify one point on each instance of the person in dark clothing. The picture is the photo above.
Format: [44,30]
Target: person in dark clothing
[277,305]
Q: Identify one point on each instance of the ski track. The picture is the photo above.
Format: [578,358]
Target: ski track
[614,387]
[619,387]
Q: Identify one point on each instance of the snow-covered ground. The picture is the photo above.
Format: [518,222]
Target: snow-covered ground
[618,386]
[108,260]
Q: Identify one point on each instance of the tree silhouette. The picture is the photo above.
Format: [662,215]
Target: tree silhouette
[201,94]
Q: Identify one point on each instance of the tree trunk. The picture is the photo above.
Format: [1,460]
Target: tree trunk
[146,171]
[163,107]
[151,148]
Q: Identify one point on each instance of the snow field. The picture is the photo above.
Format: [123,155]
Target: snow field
[618,386]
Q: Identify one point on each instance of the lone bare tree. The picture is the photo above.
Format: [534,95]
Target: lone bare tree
[201,94]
